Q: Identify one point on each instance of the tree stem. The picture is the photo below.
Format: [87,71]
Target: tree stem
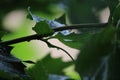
[79,26]
[36,36]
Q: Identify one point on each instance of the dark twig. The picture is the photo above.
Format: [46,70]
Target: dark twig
[36,36]
[51,45]
[27,38]
[79,26]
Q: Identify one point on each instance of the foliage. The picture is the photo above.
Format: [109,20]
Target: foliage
[46,67]
[94,51]
[74,40]
[96,57]
[43,29]
[99,55]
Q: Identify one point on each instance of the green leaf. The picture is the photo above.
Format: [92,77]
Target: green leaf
[116,15]
[5,75]
[114,65]
[73,40]
[95,49]
[112,4]
[29,17]
[43,28]
[48,65]
[33,17]
[51,23]
[81,11]
[1,34]
[62,19]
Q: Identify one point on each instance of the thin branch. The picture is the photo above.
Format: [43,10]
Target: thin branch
[27,38]
[36,36]
[79,26]
[51,45]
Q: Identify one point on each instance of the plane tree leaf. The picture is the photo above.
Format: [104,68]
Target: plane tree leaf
[74,40]
[51,23]
[46,67]
[42,28]
[95,53]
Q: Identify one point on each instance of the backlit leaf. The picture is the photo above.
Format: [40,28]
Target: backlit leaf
[51,23]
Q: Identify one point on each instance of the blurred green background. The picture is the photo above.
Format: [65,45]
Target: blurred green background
[13,19]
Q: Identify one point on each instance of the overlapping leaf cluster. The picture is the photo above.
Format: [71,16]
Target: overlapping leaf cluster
[98,58]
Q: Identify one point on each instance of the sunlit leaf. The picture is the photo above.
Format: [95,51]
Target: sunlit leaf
[51,23]
[48,65]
